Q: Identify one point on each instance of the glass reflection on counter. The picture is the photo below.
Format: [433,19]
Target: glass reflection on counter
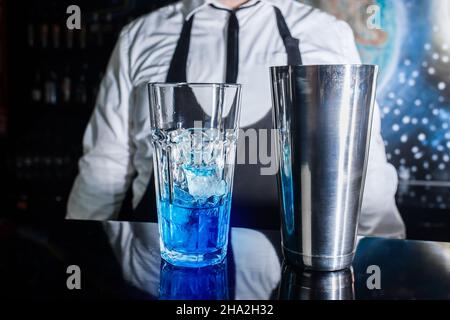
[182,283]
[250,272]
[298,284]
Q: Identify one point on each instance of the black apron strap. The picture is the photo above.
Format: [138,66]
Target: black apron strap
[146,209]
[291,44]
[177,69]
[255,197]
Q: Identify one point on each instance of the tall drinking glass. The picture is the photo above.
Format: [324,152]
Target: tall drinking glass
[194,133]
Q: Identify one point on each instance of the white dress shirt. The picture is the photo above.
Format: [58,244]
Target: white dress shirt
[117,149]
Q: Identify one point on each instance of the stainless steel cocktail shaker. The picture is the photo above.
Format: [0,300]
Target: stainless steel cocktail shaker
[323,115]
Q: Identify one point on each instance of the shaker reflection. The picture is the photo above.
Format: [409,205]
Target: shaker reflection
[299,284]
[182,283]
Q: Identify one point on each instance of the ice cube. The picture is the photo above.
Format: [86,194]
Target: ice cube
[180,146]
[204,183]
[182,198]
[200,146]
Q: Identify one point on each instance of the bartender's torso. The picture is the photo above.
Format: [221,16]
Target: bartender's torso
[152,41]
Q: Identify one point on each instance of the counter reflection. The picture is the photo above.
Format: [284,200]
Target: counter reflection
[251,271]
[298,284]
[207,283]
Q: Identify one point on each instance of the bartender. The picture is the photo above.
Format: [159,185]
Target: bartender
[232,41]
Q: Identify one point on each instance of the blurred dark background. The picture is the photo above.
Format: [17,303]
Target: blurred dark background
[49,78]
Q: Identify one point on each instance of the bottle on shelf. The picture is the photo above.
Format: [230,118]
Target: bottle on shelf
[109,34]
[33,28]
[82,37]
[81,94]
[36,88]
[69,39]
[31,35]
[95,31]
[44,35]
[51,88]
[56,36]
[66,86]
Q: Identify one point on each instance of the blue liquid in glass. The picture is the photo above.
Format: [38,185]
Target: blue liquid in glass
[193,181]
[194,228]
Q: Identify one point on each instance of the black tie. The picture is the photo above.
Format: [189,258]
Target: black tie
[232,48]
[233,43]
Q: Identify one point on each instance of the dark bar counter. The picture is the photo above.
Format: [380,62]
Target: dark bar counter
[120,260]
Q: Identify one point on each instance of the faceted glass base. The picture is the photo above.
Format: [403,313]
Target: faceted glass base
[194,260]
